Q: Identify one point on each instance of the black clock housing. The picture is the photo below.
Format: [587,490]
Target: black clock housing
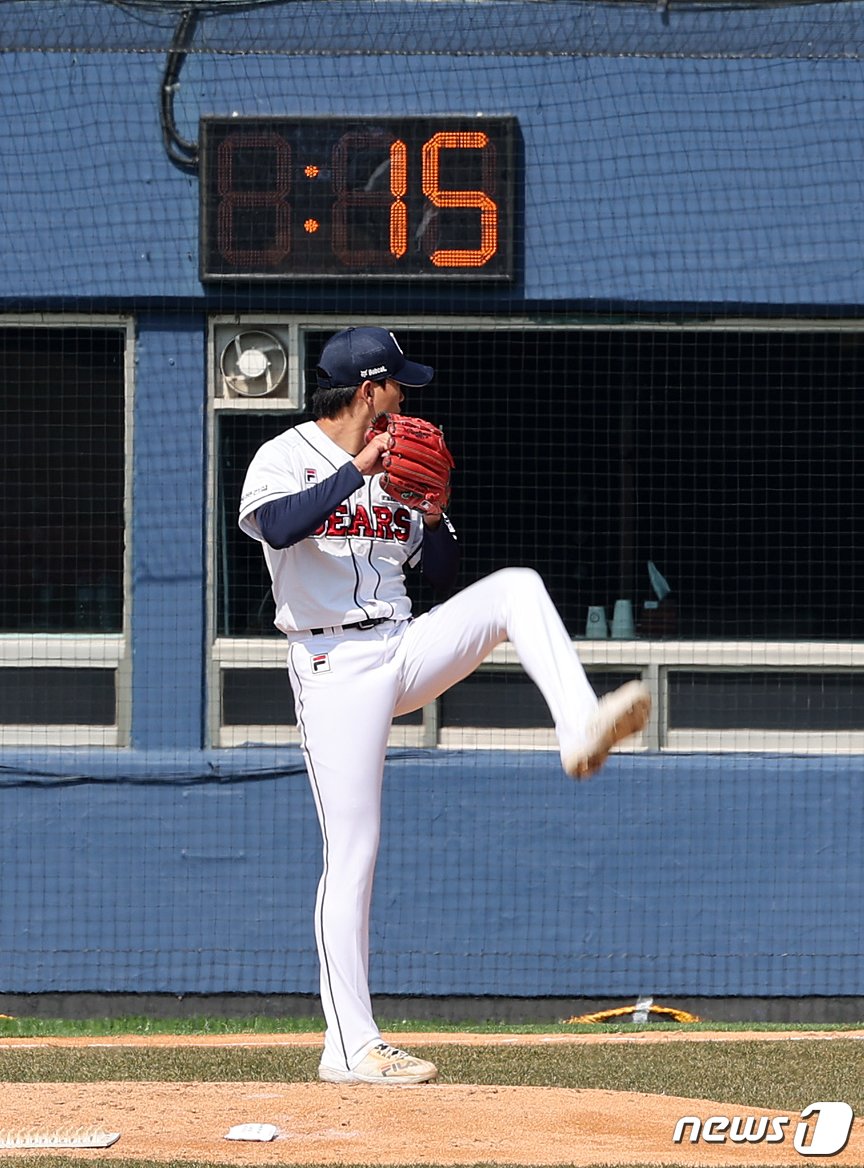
[384,198]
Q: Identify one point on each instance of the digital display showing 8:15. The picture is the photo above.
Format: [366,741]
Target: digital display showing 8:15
[366,198]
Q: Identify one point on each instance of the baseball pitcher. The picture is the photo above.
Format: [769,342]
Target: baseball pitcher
[342,506]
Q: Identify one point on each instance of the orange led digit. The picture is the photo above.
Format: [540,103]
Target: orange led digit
[479,200]
[358,208]
[398,189]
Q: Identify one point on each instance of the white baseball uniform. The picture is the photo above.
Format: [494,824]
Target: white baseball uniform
[351,569]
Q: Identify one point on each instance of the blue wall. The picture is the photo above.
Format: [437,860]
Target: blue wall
[659,180]
[688,178]
[168,617]
[672,875]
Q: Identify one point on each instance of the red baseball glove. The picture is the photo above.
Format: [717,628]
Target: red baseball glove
[417,466]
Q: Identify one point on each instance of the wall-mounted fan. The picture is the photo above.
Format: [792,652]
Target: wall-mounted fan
[253,364]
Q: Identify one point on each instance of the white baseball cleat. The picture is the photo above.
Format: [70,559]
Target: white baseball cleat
[385,1065]
[619,714]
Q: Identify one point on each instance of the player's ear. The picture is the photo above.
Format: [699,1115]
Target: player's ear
[366,392]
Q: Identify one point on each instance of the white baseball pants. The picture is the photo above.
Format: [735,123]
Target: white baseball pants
[345,705]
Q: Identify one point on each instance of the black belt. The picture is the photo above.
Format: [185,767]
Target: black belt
[370,623]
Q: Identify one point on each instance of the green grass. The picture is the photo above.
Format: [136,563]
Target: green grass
[137,1025]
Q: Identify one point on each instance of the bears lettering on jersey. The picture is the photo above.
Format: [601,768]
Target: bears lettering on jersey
[385,523]
[362,524]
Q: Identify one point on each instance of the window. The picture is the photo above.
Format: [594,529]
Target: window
[62,525]
[729,458]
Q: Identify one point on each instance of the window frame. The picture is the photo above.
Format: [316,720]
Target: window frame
[651,659]
[76,650]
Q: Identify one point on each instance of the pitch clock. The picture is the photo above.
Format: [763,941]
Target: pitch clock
[383,198]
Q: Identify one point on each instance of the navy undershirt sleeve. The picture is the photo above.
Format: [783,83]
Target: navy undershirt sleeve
[285,521]
[439,558]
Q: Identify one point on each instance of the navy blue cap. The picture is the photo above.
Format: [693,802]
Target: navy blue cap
[355,354]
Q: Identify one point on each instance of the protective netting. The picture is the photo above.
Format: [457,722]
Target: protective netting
[627,238]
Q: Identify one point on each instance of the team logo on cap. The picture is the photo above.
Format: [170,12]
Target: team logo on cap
[373,372]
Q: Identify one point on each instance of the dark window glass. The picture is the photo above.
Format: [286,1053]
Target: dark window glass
[732,460]
[61,479]
[244,602]
[263,697]
[58,697]
[257,697]
[766,701]
[507,698]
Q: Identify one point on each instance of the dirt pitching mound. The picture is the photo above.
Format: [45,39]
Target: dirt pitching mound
[432,1124]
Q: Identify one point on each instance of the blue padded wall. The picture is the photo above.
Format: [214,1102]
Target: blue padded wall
[688,875]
